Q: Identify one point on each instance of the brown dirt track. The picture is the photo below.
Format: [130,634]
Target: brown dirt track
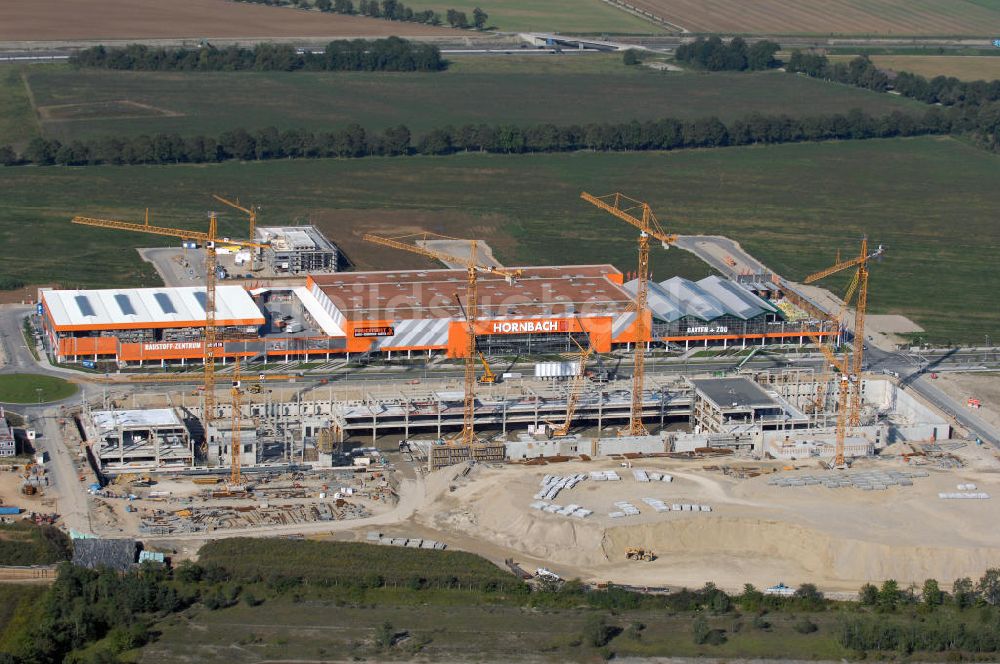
[855,17]
[54,20]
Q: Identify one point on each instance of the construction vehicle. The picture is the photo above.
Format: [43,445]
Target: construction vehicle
[488,377]
[859,285]
[648,227]
[473,268]
[638,553]
[209,240]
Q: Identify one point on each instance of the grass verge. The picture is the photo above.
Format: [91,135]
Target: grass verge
[33,388]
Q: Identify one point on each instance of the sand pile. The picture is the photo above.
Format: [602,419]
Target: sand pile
[836,538]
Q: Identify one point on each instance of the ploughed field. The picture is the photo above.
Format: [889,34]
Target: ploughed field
[826,17]
[792,206]
[97,20]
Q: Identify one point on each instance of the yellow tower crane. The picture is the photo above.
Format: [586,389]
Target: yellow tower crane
[208,240]
[576,387]
[251,213]
[623,207]
[844,387]
[859,286]
[473,268]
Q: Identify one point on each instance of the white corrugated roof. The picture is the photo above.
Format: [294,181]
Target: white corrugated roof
[318,313]
[737,299]
[153,306]
[707,299]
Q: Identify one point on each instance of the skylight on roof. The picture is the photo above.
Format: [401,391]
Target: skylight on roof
[125,304]
[166,304]
[84,305]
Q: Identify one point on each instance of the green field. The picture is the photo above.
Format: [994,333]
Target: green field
[518,90]
[33,388]
[567,16]
[932,201]
[17,117]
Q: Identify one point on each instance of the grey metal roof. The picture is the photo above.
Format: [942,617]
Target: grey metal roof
[736,299]
[659,301]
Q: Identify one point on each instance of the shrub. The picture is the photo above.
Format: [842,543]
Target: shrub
[805,626]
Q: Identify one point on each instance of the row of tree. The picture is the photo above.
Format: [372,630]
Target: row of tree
[862,72]
[354,141]
[391,54]
[965,593]
[715,55]
[390,10]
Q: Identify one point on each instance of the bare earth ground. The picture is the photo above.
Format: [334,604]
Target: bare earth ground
[836,538]
[873,17]
[350,225]
[983,386]
[192,19]
[882,330]
[964,67]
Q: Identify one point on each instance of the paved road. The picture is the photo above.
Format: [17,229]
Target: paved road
[714,249]
[914,373]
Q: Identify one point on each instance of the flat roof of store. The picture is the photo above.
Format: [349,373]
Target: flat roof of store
[557,291]
[136,308]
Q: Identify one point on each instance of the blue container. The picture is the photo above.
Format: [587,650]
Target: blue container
[10,510]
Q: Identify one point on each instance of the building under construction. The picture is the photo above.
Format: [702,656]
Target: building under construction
[297,250]
[152,439]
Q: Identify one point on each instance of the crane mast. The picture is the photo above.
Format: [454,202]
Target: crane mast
[235,445]
[844,388]
[208,240]
[251,213]
[859,286]
[472,268]
[623,207]
[210,263]
[573,396]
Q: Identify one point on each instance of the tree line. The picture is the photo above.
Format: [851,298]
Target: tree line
[354,141]
[391,54]
[936,632]
[978,101]
[95,615]
[862,72]
[390,10]
[715,55]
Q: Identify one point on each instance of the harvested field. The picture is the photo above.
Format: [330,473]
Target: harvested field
[53,20]
[567,16]
[369,256]
[826,17]
[964,67]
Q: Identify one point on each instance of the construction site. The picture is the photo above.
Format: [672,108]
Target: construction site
[590,405]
